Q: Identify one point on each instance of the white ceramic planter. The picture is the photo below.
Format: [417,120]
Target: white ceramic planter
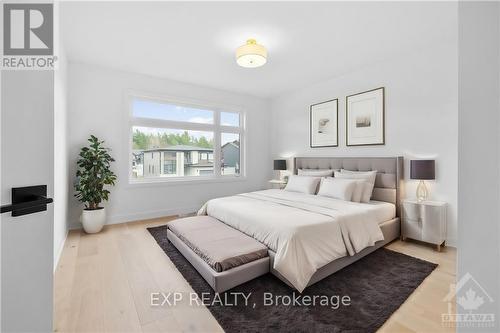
[93,220]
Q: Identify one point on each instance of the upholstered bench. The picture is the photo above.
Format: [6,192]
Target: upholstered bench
[224,256]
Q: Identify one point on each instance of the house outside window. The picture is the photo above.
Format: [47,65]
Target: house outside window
[183,141]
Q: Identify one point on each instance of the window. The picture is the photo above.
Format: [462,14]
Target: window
[165,111]
[169,163]
[172,140]
[230,119]
[168,152]
[230,154]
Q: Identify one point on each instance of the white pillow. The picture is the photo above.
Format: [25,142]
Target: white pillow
[337,188]
[368,176]
[302,184]
[357,195]
[315,172]
[361,186]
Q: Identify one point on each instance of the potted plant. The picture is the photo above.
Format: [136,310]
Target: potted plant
[93,175]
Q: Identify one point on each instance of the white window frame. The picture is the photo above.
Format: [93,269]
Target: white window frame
[216,128]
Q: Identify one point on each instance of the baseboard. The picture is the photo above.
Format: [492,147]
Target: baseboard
[451,242]
[59,252]
[115,219]
[124,218]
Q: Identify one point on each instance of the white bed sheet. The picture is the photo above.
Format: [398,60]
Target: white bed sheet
[305,231]
[382,211]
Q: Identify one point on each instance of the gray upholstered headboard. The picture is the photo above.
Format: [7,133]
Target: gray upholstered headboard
[389,173]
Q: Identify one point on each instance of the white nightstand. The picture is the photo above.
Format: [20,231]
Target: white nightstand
[277,183]
[424,221]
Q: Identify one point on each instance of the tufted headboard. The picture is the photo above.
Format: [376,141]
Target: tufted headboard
[389,173]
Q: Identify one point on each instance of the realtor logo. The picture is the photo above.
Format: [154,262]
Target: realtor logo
[28,29]
[470,296]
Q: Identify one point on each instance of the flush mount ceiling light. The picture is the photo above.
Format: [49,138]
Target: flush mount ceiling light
[251,54]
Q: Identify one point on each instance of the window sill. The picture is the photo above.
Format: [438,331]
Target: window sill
[184,181]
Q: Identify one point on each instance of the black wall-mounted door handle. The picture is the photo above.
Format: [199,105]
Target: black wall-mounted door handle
[27,200]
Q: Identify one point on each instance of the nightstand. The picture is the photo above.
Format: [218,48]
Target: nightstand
[424,221]
[277,183]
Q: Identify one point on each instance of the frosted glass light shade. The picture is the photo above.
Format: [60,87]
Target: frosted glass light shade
[251,54]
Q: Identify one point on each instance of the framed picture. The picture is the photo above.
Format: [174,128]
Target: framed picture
[323,126]
[365,118]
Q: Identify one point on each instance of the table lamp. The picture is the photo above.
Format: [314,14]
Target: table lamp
[279,165]
[422,170]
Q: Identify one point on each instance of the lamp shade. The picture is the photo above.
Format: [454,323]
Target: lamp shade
[251,54]
[422,169]
[279,164]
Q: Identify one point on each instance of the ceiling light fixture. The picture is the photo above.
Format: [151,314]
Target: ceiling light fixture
[251,54]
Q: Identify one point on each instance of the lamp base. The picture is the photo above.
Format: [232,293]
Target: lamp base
[422,191]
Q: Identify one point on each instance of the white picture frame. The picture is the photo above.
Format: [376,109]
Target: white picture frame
[365,118]
[323,124]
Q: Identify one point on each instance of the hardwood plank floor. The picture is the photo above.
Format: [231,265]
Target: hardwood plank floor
[103,284]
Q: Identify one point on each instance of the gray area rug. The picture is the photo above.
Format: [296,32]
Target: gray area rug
[377,285]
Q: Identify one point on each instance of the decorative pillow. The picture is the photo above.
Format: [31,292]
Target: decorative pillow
[368,176]
[315,172]
[337,188]
[302,184]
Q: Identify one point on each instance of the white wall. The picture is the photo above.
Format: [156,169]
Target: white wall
[421,117]
[479,152]
[97,106]
[60,146]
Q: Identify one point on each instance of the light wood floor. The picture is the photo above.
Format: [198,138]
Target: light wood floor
[103,284]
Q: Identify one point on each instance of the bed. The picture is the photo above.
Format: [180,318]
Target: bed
[310,237]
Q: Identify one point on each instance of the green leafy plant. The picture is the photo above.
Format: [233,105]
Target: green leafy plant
[94,174]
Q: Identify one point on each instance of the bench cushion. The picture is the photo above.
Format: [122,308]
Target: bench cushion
[219,245]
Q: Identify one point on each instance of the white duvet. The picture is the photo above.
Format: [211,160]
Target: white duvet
[305,231]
